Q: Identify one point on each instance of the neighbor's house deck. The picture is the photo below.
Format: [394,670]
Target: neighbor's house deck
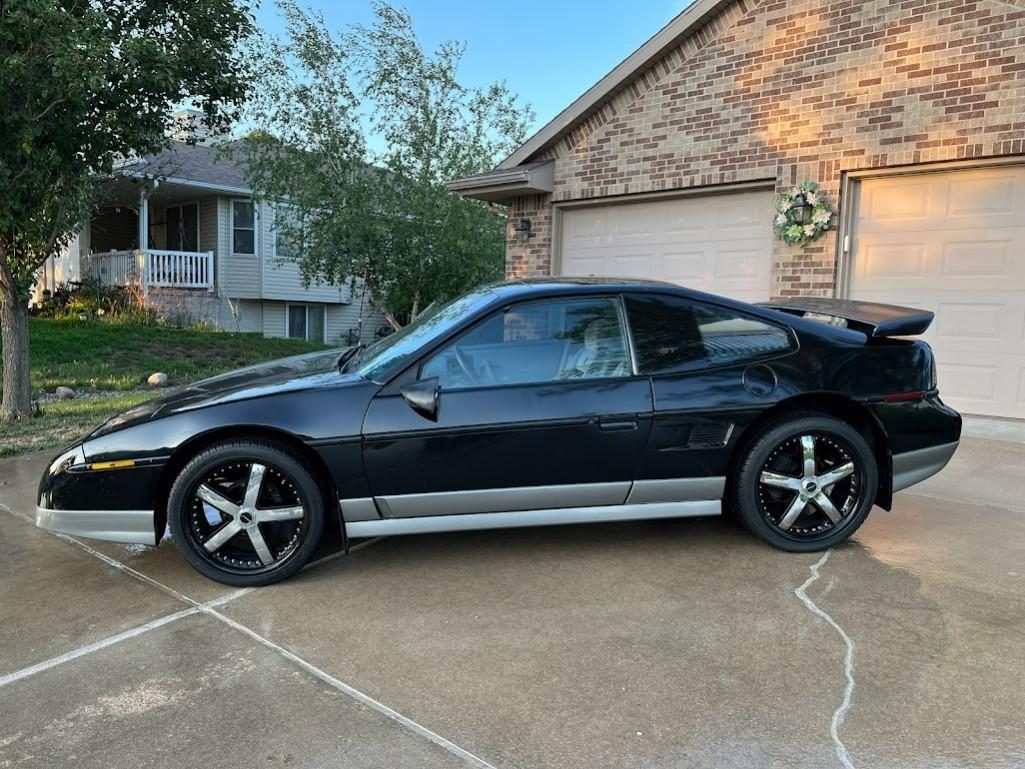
[185,230]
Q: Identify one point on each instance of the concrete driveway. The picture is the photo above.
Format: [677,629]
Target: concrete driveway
[669,644]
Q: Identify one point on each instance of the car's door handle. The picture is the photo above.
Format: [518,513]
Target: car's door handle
[617,424]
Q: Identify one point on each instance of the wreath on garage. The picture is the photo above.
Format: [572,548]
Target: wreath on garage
[803,214]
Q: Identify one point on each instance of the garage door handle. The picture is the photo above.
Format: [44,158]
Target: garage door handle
[618,424]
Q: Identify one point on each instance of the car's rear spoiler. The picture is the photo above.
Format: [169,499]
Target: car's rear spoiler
[869,317]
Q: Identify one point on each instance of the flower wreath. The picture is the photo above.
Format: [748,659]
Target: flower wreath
[787,203]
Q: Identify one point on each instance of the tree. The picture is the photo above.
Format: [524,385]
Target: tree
[359,132]
[84,83]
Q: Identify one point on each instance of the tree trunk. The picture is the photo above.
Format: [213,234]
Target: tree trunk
[17,400]
[390,320]
[416,306]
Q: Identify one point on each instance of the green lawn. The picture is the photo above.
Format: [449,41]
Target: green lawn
[95,358]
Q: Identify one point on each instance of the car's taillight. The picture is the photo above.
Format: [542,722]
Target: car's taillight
[901,397]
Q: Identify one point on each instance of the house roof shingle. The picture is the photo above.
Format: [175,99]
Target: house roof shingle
[213,165]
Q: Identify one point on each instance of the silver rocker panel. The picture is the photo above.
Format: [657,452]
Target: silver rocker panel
[503,499]
[550,517]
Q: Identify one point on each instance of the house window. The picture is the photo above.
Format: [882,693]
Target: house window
[305,321]
[285,232]
[183,228]
[243,227]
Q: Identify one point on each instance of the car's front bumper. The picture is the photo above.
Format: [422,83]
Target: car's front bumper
[132,526]
[109,500]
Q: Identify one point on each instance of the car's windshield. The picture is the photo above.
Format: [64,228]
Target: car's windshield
[401,346]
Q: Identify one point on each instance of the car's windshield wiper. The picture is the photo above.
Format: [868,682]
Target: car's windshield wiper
[349,354]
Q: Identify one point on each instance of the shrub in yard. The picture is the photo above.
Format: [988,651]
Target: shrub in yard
[92,299]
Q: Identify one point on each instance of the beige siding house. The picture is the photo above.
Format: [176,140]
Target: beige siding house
[183,228]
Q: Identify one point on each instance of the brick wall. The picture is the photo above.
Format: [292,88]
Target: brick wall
[795,90]
[532,257]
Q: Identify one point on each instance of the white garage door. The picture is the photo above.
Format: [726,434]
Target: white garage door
[717,243]
[953,243]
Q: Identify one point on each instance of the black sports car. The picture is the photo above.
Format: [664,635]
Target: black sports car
[527,403]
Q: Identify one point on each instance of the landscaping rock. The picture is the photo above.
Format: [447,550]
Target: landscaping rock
[65,393]
[157,379]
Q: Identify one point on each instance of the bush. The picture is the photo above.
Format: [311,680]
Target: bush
[91,299]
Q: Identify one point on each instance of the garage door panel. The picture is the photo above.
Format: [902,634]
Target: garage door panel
[630,265]
[964,259]
[743,264]
[969,382]
[717,243]
[735,214]
[882,261]
[684,267]
[903,202]
[590,264]
[982,195]
[685,220]
[638,228]
[977,259]
[974,322]
[584,228]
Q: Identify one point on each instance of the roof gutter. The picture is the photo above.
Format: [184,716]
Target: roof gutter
[504,184]
[187,182]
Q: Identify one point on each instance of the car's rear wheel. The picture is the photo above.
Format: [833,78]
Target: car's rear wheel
[246,513]
[805,483]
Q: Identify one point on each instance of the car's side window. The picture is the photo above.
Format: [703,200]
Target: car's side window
[535,342]
[672,333]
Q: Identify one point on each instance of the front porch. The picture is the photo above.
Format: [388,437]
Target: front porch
[150,233]
[149,268]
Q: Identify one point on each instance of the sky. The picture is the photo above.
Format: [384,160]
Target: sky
[548,52]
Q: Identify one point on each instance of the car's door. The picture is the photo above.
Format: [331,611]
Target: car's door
[539,407]
[713,370]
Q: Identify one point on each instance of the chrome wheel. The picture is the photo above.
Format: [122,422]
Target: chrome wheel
[810,485]
[247,517]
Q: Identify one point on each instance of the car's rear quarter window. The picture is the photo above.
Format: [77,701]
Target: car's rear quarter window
[672,333]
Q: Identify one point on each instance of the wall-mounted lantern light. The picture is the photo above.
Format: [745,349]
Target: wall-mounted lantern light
[802,210]
[522,229]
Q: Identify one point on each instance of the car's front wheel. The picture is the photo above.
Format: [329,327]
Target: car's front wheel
[806,482]
[246,513]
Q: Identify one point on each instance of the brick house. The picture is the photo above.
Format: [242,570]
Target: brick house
[911,116]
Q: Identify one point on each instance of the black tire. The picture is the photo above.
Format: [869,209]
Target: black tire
[770,482]
[226,534]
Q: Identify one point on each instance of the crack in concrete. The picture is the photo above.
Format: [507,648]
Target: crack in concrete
[838,715]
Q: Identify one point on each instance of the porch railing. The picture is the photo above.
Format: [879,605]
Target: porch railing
[113,268]
[150,267]
[179,269]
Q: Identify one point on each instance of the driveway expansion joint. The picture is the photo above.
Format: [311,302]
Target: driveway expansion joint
[840,713]
[208,609]
[124,635]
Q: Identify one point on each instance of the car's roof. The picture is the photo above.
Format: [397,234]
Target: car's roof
[545,286]
[526,288]
[588,281]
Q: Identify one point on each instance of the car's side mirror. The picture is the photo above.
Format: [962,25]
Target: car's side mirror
[423,397]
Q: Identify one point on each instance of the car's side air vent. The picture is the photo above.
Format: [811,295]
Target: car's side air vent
[709,435]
